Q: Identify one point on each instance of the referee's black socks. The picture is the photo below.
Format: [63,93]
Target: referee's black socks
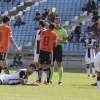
[48,74]
[6,70]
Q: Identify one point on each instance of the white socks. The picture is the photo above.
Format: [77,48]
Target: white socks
[88,71]
[45,74]
[37,75]
[93,70]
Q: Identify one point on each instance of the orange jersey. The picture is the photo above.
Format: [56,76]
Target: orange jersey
[47,40]
[5,33]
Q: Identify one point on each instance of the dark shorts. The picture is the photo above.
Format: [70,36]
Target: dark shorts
[57,53]
[3,56]
[45,57]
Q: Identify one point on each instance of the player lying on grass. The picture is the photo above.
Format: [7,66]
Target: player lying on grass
[19,77]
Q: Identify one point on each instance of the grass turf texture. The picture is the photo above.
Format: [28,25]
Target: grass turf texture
[76,86]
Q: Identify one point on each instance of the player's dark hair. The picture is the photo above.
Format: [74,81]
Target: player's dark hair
[32,65]
[6,19]
[52,26]
[57,18]
[41,23]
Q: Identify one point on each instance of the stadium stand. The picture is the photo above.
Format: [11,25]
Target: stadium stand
[69,10]
[66,9]
[6,6]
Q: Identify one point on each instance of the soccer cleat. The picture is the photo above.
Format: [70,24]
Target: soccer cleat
[46,83]
[94,84]
[50,82]
[93,76]
[59,83]
[38,82]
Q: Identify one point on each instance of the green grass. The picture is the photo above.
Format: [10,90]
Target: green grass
[76,86]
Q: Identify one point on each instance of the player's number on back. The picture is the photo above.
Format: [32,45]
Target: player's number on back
[46,41]
[0,36]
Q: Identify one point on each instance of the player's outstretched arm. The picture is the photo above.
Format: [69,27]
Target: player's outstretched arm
[46,22]
[14,44]
[46,19]
[30,84]
[25,84]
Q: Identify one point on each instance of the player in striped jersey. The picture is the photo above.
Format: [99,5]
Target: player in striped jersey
[19,77]
[98,33]
[37,49]
[89,46]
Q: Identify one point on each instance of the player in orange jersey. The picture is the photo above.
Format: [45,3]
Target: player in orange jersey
[5,38]
[47,38]
[57,50]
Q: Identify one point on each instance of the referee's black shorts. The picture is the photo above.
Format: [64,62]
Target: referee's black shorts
[57,53]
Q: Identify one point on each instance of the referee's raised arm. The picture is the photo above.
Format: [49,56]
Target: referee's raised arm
[46,19]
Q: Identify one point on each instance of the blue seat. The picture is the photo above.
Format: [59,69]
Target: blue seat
[66,9]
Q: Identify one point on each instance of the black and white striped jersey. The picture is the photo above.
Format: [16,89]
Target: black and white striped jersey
[37,43]
[90,52]
[17,76]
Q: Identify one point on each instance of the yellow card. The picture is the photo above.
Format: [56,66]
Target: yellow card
[53,9]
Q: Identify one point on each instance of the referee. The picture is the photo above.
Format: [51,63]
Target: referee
[57,50]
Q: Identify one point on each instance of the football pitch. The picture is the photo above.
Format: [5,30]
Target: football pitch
[76,86]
